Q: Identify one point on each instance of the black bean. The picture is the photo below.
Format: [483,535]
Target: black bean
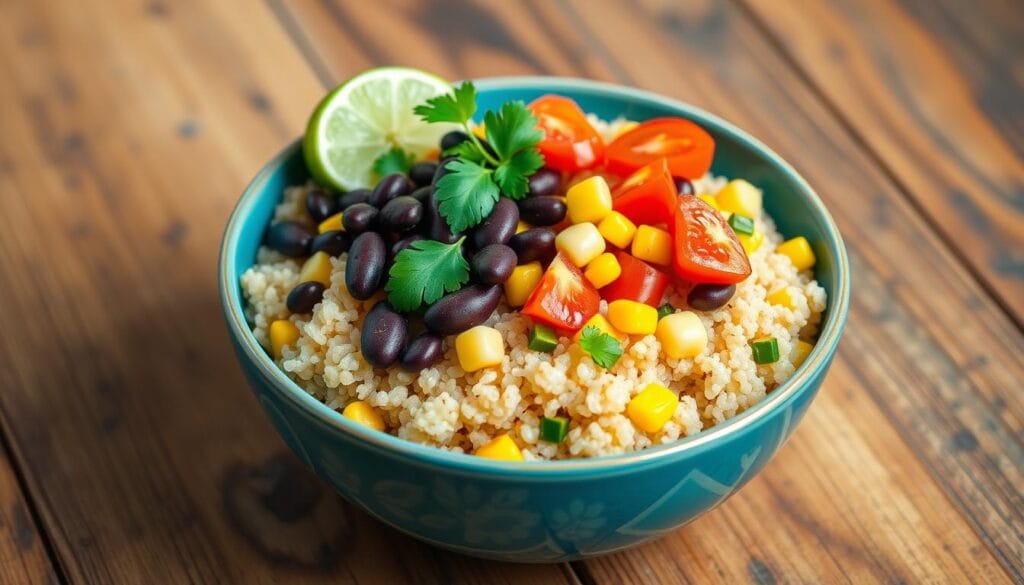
[383,335]
[708,297]
[422,194]
[364,271]
[534,244]
[545,182]
[453,139]
[442,169]
[402,244]
[436,227]
[463,309]
[334,242]
[290,238]
[359,218]
[304,297]
[542,210]
[493,264]
[349,199]
[320,204]
[401,214]
[684,186]
[389,187]
[499,226]
[422,173]
[422,352]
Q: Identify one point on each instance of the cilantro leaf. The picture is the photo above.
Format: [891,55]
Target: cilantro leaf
[512,175]
[604,349]
[512,129]
[457,107]
[466,195]
[466,150]
[424,272]
[395,160]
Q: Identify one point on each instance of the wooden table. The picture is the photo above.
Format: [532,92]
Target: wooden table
[134,453]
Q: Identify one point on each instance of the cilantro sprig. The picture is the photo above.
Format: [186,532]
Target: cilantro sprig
[468,192]
[395,160]
[604,349]
[424,272]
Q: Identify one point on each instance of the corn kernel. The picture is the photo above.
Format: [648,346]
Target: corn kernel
[617,229]
[752,242]
[479,347]
[581,243]
[521,282]
[480,131]
[652,244]
[365,415]
[282,332]
[739,196]
[331,223]
[317,268]
[603,326]
[589,200]
[522,226]
[502,448]
[781,297]
[682,335]
[633,317]
[603,270]
[803,349]
[799,252]
[710,200]
[652,408]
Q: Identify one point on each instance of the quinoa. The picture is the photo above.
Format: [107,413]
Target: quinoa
[448,408]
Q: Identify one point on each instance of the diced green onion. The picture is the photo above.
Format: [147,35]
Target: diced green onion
[553,429]
[665,310]
[543,338]
[766,351]
[741,224]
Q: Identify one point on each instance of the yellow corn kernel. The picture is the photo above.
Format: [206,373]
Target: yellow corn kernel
[331,223]
[479,347]
[521,282]
[317,268]
[652,408]
[480,131]
[633,317]
[682,335]
[752,242]
[581,243]
[502,448]
[652,244]
[739,196]
[522,226]
[603,270]
[781,297]
[589,200]
[282,332]
[799,251]
[710,200]
[603,325]
[365,415]
[617,229]
[803,349]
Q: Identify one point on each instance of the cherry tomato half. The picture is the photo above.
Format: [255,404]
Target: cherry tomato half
[563,299]
[687,147]
[638,282]
[705,249]
[570,143]
[648,196]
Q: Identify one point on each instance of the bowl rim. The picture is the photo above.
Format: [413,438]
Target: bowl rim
[828,339]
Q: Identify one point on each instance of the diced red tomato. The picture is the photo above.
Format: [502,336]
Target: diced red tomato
[570,143]
[705,249]
[639,282]
[563,299]
[687,147]
[648,196]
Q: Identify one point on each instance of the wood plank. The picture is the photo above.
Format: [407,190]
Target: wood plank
[930,384]
[23,555]
[128,131]
[934,88]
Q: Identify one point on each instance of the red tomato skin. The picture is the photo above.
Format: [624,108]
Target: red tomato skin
[550,302]
[691,159]
[695,258]
[639,282]
[648,196]
[574,145]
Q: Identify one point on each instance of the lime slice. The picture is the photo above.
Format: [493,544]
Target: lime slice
[365,117]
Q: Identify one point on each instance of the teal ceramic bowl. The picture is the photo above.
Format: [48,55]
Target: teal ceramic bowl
[545,511]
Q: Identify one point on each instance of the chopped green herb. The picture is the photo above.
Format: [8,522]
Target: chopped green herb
[424,272]
[395,160]
[766,351]
[604,349]
[741,224]
[543,338]
[466,195]
[665,310]
[457,107]
[554,429]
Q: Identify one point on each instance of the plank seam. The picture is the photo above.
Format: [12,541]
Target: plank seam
[301,42]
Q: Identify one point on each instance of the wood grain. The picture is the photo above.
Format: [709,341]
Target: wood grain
[24,558]
[935,90]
